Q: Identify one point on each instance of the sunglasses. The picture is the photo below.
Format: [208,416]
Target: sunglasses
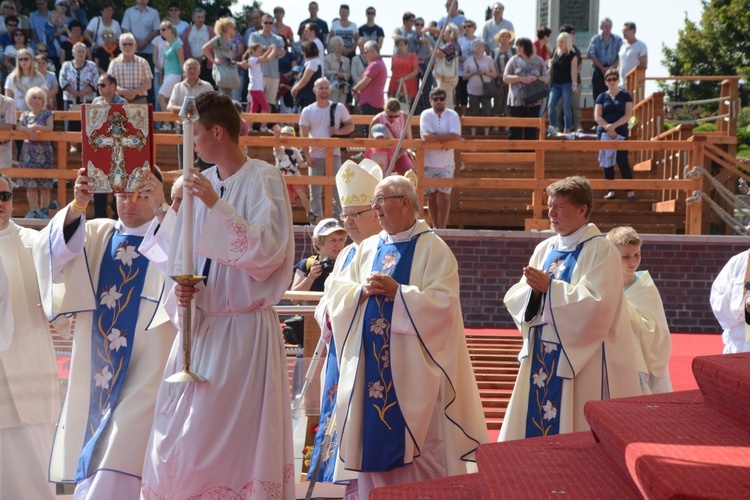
[612,79]
[419,24]
[267,22]
[437,99]
[101,85]
[6,195]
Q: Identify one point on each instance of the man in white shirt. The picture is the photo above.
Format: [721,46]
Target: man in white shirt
[192,85]
[193,40]
[633,53]
[494,25]
[315,121]
[439,124]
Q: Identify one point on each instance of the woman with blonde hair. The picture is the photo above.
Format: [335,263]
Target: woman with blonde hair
[174,56]
[35,153]
[20,80]
[564,72]
[450,51]
[220,51]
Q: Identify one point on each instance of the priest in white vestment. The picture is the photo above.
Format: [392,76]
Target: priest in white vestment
[121,339]
[570,306]
[356,184]
[408,407]
[230,436]
[29,387]
[730,302]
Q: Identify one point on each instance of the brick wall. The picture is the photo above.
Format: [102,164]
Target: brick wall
[490,262]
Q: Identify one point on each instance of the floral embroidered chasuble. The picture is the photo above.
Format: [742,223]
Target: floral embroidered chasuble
[121,280]
[384,425]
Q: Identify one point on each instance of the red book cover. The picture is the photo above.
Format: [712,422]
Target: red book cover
[118,145]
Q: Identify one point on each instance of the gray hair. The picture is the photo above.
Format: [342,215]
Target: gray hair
[372,45]
[398,185]
[334,40]
[8,180]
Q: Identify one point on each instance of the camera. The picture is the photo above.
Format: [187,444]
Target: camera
[327,265]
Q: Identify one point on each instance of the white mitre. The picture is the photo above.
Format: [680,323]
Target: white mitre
[356,183]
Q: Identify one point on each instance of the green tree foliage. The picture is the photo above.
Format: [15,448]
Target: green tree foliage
[719,45]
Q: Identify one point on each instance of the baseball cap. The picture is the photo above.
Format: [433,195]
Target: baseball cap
[379,130]
[287,130]
[328,226]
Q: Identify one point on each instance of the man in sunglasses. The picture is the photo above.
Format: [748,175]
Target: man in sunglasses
[270,70]
[439,124]
[107,87]
[396,318]
[28,370]
[8,120]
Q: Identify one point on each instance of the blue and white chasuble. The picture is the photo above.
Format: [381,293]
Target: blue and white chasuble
[328,449]
[121,280]
[545,387]
[384,425]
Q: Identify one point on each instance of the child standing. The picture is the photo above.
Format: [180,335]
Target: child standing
[34,153]
[255,57]
[646,313]
[288,160]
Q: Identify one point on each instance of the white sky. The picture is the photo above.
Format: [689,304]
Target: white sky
[658,21]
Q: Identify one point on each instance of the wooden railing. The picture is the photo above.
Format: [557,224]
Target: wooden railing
[672,183]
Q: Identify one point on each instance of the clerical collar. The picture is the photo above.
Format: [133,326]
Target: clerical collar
[569,242]
[133,231]
[399,237]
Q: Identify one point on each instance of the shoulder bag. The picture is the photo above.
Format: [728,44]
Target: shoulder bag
[489,89]
[226,76]
[446,71]
[536,91]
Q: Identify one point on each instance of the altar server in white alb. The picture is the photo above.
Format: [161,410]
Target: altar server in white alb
[356,184]
[570,306]
[121,340]
[653,344]
[29,388]
[232,435]
[730,301]
[408,407]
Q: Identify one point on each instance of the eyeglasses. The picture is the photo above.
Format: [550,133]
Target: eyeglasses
[355,215]
[381,199]
[419,25]
[437,99]
[612,79]
[6,195]
[267,22]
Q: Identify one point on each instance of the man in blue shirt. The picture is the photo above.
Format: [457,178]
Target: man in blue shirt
[603,52]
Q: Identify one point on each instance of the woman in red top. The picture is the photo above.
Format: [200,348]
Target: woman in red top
[404,68]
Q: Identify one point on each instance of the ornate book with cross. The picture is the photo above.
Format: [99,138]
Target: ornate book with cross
[118,145]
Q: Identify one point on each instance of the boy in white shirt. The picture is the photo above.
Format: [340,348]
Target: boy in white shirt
[647,316]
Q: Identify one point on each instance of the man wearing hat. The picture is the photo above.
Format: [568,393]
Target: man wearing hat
[408,407]
[355,183]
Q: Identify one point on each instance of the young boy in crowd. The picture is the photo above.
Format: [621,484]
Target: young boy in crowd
[288,160]
[646,313]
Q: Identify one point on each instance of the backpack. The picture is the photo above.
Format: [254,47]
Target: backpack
[332,121]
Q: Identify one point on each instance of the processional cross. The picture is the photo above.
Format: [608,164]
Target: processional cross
[117,139]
